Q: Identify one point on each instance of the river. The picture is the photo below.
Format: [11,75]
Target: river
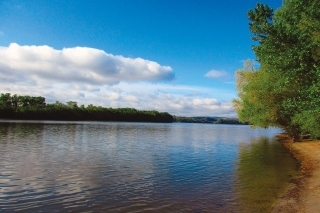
[48,166]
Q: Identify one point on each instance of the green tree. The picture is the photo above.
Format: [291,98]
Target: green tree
[29,107]
[258,101]
[5,100]
[72,104]
[285,91]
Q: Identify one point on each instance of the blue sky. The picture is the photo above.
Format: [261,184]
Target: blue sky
[175,56]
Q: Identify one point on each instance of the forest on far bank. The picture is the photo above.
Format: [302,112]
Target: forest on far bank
[208,120]
[25,107]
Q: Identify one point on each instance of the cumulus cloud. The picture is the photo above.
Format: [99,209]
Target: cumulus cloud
[92,76]
[163,102]
[77,64]
[175,99]
[216,74]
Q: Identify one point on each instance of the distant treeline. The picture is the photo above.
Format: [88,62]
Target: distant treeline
[208,120]
[35,108]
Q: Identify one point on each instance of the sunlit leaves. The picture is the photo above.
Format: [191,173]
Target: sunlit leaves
[285,91]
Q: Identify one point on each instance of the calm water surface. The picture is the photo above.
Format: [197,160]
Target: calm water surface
[139,167]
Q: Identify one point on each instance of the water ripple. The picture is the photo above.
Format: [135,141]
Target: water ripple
[119,167]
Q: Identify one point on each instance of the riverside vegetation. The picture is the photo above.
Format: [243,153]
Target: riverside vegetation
[208,120]
[35,108]
[284,91]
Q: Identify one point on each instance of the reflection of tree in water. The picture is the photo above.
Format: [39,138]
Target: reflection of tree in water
[265,169]
[4,130]
[20,130]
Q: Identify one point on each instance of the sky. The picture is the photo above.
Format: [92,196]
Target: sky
[171,56]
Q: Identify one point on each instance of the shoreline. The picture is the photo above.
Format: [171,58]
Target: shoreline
[303,193]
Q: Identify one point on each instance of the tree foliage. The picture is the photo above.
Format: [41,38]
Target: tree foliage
[35,108]
[207,120]
[284,92]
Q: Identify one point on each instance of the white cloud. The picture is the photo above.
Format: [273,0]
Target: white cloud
[91,76]
[175,99]
[77,64]
[216,74]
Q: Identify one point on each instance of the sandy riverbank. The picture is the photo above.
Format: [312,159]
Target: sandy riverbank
[303,194]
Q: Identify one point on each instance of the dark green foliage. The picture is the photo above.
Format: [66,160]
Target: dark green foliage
[208,120]
[288,50]
[230,121]
[35,108]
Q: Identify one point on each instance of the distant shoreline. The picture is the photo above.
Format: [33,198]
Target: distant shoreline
[25,107]
[303,194]
[227,122]
[207,120]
